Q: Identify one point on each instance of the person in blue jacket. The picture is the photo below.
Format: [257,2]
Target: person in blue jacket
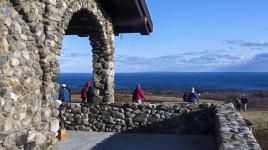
[65,93]
[192,97]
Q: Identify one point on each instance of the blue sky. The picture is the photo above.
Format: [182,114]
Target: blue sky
[189,35]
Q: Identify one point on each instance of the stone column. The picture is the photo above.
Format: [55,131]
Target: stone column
[103,63]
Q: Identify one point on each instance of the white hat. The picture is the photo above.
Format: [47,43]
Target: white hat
[63,85]
[192,89]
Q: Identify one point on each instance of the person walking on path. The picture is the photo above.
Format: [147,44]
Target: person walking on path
[87,92]
[65,93]
[138,95]
[192,97]
[244,102]
[238,104]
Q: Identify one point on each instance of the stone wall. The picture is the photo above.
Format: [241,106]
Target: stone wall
[125,117]
[31,34]
[222,121]
[232,131]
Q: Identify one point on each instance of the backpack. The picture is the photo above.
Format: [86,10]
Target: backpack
[238,101]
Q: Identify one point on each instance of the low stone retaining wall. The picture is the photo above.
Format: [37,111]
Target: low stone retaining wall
[125,117]
[230,130]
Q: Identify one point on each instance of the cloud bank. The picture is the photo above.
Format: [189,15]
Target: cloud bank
[252,45]
[200,61]
[259,63]
[194,62]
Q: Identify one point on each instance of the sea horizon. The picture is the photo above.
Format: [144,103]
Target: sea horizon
[178,80]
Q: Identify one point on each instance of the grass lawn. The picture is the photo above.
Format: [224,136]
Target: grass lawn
[260,127]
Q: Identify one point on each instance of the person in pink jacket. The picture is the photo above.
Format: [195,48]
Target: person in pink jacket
[138,95]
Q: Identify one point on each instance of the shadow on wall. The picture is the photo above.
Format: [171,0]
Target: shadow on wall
[197,123]
[117,117]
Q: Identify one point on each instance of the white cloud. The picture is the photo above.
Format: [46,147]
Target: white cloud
[75,61]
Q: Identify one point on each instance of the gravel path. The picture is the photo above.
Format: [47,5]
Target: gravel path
[78,140]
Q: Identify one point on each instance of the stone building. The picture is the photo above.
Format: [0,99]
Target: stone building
[31,34]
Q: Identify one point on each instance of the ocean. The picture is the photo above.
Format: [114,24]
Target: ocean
[204,80]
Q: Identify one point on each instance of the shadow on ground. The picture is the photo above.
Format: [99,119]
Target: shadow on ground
[78,140]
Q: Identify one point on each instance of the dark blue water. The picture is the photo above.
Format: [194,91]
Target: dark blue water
[209,80]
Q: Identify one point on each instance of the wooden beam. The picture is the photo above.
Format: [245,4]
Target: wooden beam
[146,14]
[130,22]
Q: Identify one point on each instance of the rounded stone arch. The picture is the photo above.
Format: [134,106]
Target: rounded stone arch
[101,38]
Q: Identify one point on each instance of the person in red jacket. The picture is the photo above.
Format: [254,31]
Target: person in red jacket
[138,95]
[85,90]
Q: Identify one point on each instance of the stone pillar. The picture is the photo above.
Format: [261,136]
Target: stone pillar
[103,63]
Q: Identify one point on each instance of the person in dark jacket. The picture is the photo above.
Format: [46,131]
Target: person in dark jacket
[138,95]
[185,97]
[244,102]
[65,93]
[90,95]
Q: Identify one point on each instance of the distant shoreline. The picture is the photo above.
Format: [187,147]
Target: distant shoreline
[174,81]
[178,89]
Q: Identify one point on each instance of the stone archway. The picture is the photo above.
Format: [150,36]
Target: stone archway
[101,39]
[31,34]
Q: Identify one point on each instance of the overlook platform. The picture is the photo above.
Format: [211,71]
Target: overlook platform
[133,141]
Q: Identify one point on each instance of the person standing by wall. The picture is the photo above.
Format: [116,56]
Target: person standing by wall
[90,94]
[238,104]
[244,102]
[138,95]
[185,97]
[65,93]
[192,97]
[84,91]
[87,93]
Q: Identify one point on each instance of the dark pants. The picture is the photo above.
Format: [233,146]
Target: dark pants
[84,99]
[238,107]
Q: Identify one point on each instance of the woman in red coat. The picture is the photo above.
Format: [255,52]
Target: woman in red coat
[138,95]
[85,90]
